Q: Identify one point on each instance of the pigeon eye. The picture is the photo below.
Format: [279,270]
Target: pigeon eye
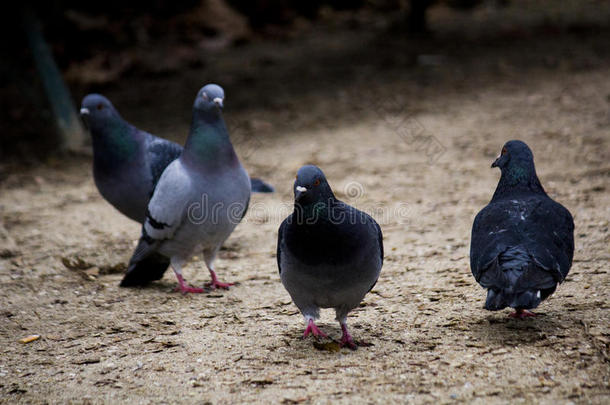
[504,151]
[317,182]
[100,106]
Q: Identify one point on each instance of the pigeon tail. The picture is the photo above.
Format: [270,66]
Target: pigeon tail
[515,281]
[259,186]
[500,299]
[141,272]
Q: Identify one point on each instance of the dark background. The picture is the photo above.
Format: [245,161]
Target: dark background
[153,56]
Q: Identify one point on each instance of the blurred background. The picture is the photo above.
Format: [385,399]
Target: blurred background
[403,103]
[283,64]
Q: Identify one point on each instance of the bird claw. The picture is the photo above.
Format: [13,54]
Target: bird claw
[187,289]
[521,314]
[348,342]
[314,330]
[184,289]
[214,284]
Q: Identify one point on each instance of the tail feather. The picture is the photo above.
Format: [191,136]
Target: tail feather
[500,299]
[516,281]
[259,186]
[141,272]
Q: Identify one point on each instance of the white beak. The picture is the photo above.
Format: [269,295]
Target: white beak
[84,111]
[302,189]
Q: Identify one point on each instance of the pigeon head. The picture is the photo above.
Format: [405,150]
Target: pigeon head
[516,162]
[311,187]
[113,138]
[514,153]
[97,111]
[210,98]
[208,139]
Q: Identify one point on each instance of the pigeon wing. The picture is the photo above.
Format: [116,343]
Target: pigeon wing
[161,153]
[543,227]
[280,238]
[167,209]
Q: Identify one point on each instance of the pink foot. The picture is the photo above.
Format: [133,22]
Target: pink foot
[214,284]
[522,313]
[183,288]
[346,339]
[313,329]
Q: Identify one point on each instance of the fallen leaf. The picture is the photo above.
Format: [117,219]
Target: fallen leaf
[29,339]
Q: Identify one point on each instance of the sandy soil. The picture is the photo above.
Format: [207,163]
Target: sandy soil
[64,248]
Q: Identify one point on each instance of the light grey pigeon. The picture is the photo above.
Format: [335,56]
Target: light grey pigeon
[128,162]
[198,201]
[329,254]
[522,242]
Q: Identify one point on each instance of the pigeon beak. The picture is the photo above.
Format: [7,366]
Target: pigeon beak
[495,163]
[84,115]
[218,102]
[299,192]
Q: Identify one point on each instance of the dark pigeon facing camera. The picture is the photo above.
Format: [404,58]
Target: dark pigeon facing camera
[329,254]
[522,242]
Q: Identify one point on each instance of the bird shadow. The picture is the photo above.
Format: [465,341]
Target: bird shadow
[170,288]
[499,329]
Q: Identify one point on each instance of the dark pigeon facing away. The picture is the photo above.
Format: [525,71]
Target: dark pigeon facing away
[329,254]
[128,162]
[198,201]
[522,241]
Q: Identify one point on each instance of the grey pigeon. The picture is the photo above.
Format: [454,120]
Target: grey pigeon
[522,242]
[198,201]
[128,162]
[329,254]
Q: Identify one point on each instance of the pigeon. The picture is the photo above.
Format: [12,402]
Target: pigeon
[523,241]
[329,254]
[128,162]
[198,201]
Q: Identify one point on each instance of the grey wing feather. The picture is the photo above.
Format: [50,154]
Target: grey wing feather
[167,207]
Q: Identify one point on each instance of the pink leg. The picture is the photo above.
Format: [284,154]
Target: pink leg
[522,313]
[346,339]
[313,329]
[217,284]
[183,288]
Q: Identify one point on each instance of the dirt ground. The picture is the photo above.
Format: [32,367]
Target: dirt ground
[407,131]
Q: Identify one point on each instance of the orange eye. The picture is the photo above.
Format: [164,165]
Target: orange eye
[316,183]
[504,151]
[100,106]
[296,177]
